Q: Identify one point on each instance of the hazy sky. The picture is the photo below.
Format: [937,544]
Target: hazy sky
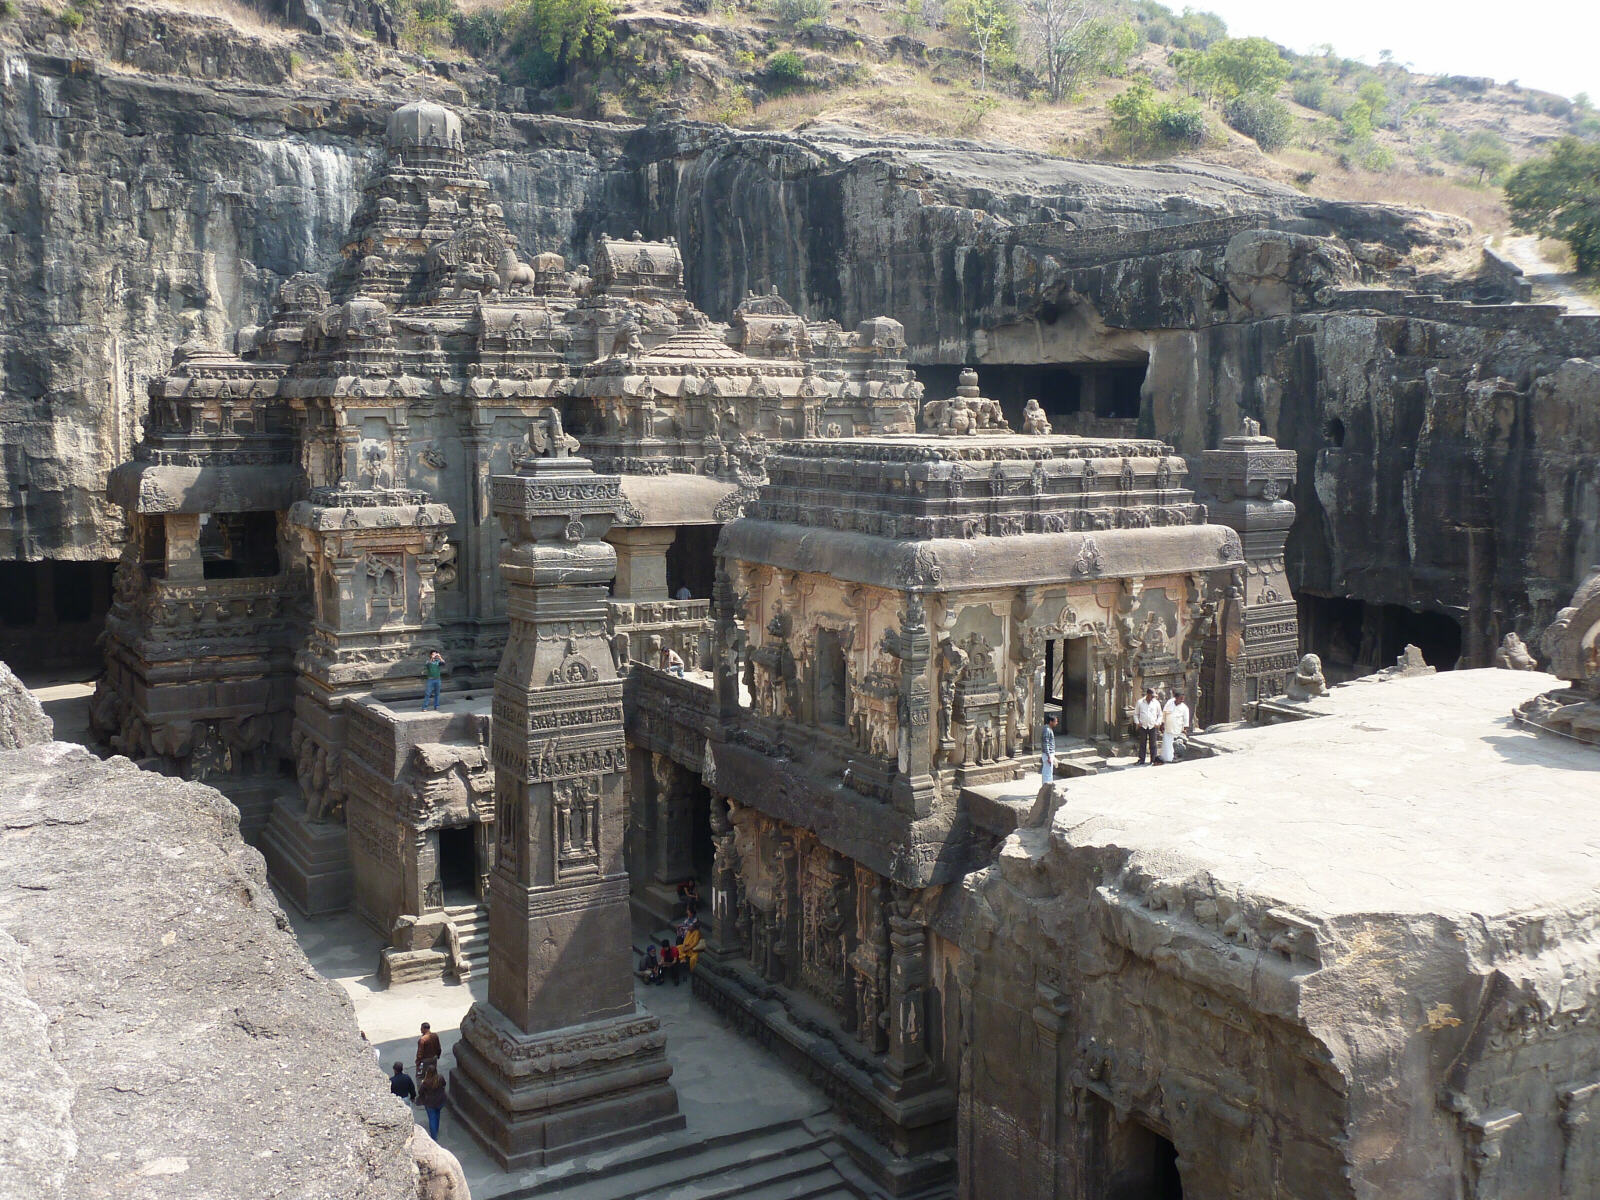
[1553,45]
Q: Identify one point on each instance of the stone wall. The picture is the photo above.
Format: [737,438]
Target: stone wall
[166,1035]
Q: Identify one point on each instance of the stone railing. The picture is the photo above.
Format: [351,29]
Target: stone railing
[682,625]
[202,606]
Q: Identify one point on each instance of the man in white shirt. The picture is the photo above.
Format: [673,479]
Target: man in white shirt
[1176,720]
[1147,718]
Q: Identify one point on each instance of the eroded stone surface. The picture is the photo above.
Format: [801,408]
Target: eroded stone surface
[166,1036]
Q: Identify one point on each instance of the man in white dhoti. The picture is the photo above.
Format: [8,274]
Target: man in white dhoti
[1176,720]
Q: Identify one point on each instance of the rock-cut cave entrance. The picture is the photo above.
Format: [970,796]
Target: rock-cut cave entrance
[1128,1159]
[52,612]
[1354,637]
[1090,398]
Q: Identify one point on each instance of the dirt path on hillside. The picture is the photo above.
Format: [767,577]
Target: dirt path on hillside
[1551,285]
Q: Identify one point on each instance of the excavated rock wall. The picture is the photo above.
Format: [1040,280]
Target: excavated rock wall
[142,205]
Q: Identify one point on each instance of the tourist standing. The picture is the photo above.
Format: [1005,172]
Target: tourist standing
[1147,719]
[1176,720]
[428,1050]
[431,1097]
[435,681]
[1047,758]
[400,1084]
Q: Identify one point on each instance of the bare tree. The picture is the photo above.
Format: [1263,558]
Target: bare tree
[1067,38]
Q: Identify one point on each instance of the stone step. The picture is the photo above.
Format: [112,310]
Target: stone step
[788,1158]
[472,923]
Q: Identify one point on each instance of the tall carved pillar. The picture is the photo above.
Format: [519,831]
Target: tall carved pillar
[908,987]
[1248,479]
[730,642]
[560,1061]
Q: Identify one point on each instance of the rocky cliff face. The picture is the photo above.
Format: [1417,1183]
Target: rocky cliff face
[163,190]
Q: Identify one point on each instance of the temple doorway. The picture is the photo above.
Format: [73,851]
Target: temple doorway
[1067,682]
[458,865]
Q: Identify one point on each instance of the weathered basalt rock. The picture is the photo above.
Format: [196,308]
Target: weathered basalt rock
[151,993]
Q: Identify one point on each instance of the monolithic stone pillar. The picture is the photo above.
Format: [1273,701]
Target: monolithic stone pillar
[1249,478]
[183,548]
[559,1061]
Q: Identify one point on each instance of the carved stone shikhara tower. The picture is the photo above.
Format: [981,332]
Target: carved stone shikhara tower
[560,1061]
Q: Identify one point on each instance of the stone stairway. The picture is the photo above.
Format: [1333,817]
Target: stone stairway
[472,923]
[793,1160]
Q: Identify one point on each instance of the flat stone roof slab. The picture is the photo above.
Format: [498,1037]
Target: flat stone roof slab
[1411,796]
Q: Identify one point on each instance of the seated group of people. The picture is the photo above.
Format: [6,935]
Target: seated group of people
[669,958]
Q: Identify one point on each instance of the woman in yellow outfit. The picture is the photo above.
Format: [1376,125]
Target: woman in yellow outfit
[689,948]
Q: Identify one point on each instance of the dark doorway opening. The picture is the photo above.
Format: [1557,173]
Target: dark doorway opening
[831,683]
[702,850]
[1067,678]
[1353,637]
[51,613]
[692,561]
[1077,397]
[1144,1166]
[458,865]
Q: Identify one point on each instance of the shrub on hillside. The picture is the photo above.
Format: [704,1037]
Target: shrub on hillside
[786,67]
[801,14]
[1181,121]
[1264,118]
[1311,93]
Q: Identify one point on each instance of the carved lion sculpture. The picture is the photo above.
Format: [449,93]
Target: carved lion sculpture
[1514,655]
[1307,682]
[515,276]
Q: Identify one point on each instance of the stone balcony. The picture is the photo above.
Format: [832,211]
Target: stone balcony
[682,625]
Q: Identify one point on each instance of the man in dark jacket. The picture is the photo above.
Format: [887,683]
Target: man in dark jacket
[400,1084]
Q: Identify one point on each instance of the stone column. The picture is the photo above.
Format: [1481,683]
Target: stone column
[183,548]
[641,562]
[1246,482]
[559,1061]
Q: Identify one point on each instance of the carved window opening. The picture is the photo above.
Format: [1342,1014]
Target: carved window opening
[692,561]
[153,544]
[239,545]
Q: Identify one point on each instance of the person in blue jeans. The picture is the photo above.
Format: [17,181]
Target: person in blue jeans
[435,681]
[431,1097]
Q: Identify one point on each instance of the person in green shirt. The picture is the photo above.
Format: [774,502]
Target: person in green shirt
[434,673]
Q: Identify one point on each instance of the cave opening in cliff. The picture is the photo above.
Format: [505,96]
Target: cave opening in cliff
[1354,637]
[51,613]
[1085,397]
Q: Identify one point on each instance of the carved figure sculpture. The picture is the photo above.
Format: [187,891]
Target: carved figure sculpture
[958,417]
[1308,681]
[546,438]
[1514,655]
[1034,420]
[515,276]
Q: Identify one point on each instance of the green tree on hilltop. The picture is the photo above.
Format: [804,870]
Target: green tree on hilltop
[1242,65]
[549,37]
[1486,151]
[1558,195]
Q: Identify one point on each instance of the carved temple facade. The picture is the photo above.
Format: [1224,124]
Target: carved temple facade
[876,601]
